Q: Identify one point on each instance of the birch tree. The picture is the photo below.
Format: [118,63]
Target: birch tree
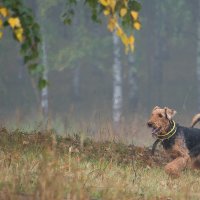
[44,90]
[15,16]
[117,82]
[26,30]
[40,13]
[132,82]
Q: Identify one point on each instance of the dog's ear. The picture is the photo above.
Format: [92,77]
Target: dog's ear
[156,107]
[169,113]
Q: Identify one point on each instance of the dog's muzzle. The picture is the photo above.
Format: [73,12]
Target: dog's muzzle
[155,130]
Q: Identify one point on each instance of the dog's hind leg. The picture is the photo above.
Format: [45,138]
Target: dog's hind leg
[194,152]
[195,156]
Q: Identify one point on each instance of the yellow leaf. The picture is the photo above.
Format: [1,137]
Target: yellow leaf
[134,14]
[124,39]
[112,4]
[1,35]
[19,34]
[131,39]
[19,30]
[104,2]
[106,12]
[1,23]
[4,11]
[119,32]
[123,12]
[137,25]
[14,22]
[111,24]
[20,37]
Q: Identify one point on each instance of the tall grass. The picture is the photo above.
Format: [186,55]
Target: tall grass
[41,165]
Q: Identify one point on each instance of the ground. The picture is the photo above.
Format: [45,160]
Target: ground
[41,165]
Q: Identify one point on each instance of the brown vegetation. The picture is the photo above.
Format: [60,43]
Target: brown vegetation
[44,166]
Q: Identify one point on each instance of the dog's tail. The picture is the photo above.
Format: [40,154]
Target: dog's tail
[195,119]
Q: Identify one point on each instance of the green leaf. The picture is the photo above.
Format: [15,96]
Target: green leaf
[67,21]
[27,59]
[42,83]
[32,67]
[24,48]
[134,5]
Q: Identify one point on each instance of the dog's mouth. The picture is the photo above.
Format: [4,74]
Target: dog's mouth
[155,131]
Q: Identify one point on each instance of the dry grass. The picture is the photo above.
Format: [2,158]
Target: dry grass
[42,166]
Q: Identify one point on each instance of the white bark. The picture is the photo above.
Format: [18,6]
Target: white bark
[44,92]
[117,81]
[44,102]
[198,56]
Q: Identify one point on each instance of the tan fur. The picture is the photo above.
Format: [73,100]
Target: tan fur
[179,153]
[158,117]
[181,157]
[195,119]
[174,168]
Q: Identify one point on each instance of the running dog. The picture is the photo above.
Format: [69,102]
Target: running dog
[181,143]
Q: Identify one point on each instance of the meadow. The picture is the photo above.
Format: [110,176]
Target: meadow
[42,165]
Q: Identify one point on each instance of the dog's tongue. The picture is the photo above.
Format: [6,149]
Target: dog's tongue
[155,131]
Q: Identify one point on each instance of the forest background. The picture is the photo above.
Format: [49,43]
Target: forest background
[88,71]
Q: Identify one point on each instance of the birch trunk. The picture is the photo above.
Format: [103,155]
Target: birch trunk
[44,92]
[133,83]
[198,56]
[44,102]
[117,82]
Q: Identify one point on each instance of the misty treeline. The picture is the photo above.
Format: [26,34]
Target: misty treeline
[89,72]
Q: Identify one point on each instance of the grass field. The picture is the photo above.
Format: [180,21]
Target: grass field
[44,166]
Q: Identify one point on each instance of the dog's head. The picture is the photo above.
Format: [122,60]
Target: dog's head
[160,119]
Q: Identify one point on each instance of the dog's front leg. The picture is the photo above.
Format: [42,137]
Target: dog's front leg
[174,168]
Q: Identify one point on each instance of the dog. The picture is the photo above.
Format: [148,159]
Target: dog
[182,144]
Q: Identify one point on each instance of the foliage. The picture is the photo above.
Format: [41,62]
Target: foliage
[118,12]
[86,41]
[128,12]
[14,14]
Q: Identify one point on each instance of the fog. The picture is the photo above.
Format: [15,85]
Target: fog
[163,70]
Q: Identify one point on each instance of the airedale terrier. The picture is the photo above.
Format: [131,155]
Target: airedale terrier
[181,143]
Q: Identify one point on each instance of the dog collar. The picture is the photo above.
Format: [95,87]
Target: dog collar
[168,134]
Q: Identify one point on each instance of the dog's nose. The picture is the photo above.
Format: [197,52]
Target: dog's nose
[150,124]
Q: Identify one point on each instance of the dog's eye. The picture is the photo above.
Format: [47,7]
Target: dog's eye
[160,115]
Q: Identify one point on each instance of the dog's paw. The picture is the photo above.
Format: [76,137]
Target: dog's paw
[172,170]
